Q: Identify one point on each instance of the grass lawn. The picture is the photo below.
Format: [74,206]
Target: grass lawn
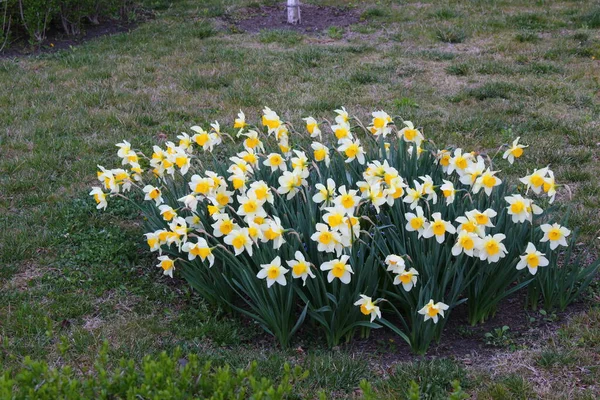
[473,74]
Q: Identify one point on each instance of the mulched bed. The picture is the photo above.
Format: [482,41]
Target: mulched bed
[313,18]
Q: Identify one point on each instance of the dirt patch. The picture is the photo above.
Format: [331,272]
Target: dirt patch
[314,18]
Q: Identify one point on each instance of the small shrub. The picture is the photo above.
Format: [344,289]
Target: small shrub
[526,36]
[158,377]
[372,13]
[451,34]
[461,69]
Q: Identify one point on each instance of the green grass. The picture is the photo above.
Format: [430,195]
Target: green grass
[475,76]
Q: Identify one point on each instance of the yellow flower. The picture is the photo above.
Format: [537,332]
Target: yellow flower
[273,272]
[240,121]
[99,197]
[532,259]
[338,268]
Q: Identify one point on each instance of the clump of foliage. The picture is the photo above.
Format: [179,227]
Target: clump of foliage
[339,229]
[33,18]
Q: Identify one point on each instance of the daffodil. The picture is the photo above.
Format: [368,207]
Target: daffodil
[448,191]
[473,171]
[443,157]
[327,240]
[167,265]
[99,197]
[300,267]
[428,189]
[347,199]
[200,249]
[483,219]
[342,131]
[273,272]
[300,161]
[240,240]
[291,182]
[124,149]
[535,181]
[275,161]
[514,151]
[153,240]
[153,193]
[469,224]
[312,127]
[167,212]
[368,307]
[342,116]
[240,166]
[413,196]
[334,217]
[321,153]
[202,138]
[488,180]
[555,234]
[491,248]
[271,120]
[250,206]
[408,279]
[338,268]
[352,150]
[466,242]
[410,134]
[190,201]
[395,190]
[375,196]
[185,142]
[416,222]
[239,182]
[459,162]
[274,232]
[438,227]
[262,191]
[240,121]
[532,259]
[252,141]
[324,194]
[223,225]
[550,186]
[521,209]
[433,311]
[395,263]
[381,124]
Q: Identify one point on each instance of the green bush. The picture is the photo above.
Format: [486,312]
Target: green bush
[33,18]
[161,377]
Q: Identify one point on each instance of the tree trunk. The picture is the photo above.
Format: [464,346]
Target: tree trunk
[293,11]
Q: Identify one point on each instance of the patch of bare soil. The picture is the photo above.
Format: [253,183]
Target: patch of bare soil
[468,343]
[313,18]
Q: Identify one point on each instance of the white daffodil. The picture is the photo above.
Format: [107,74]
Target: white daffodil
[433,311]
[532,259]
[273,272]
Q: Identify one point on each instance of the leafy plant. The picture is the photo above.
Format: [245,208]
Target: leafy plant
[499,337]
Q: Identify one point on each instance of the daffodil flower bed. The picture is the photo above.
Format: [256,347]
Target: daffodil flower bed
[347,227]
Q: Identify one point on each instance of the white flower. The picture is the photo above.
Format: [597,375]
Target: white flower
[167,265]
[328,241]
[536,180]
[153,193]
[99,197]
[274,272]
[431,311]
[199,249]
[408,279]
[532,259]
[338,268]
[467,243]
[240,240]
[410,134]
[416,222]
[395,263]
[514,151]
[368,307]
[300,267]
[352,150]
[556,234]
[438,228]
[491,248]
[324,194]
